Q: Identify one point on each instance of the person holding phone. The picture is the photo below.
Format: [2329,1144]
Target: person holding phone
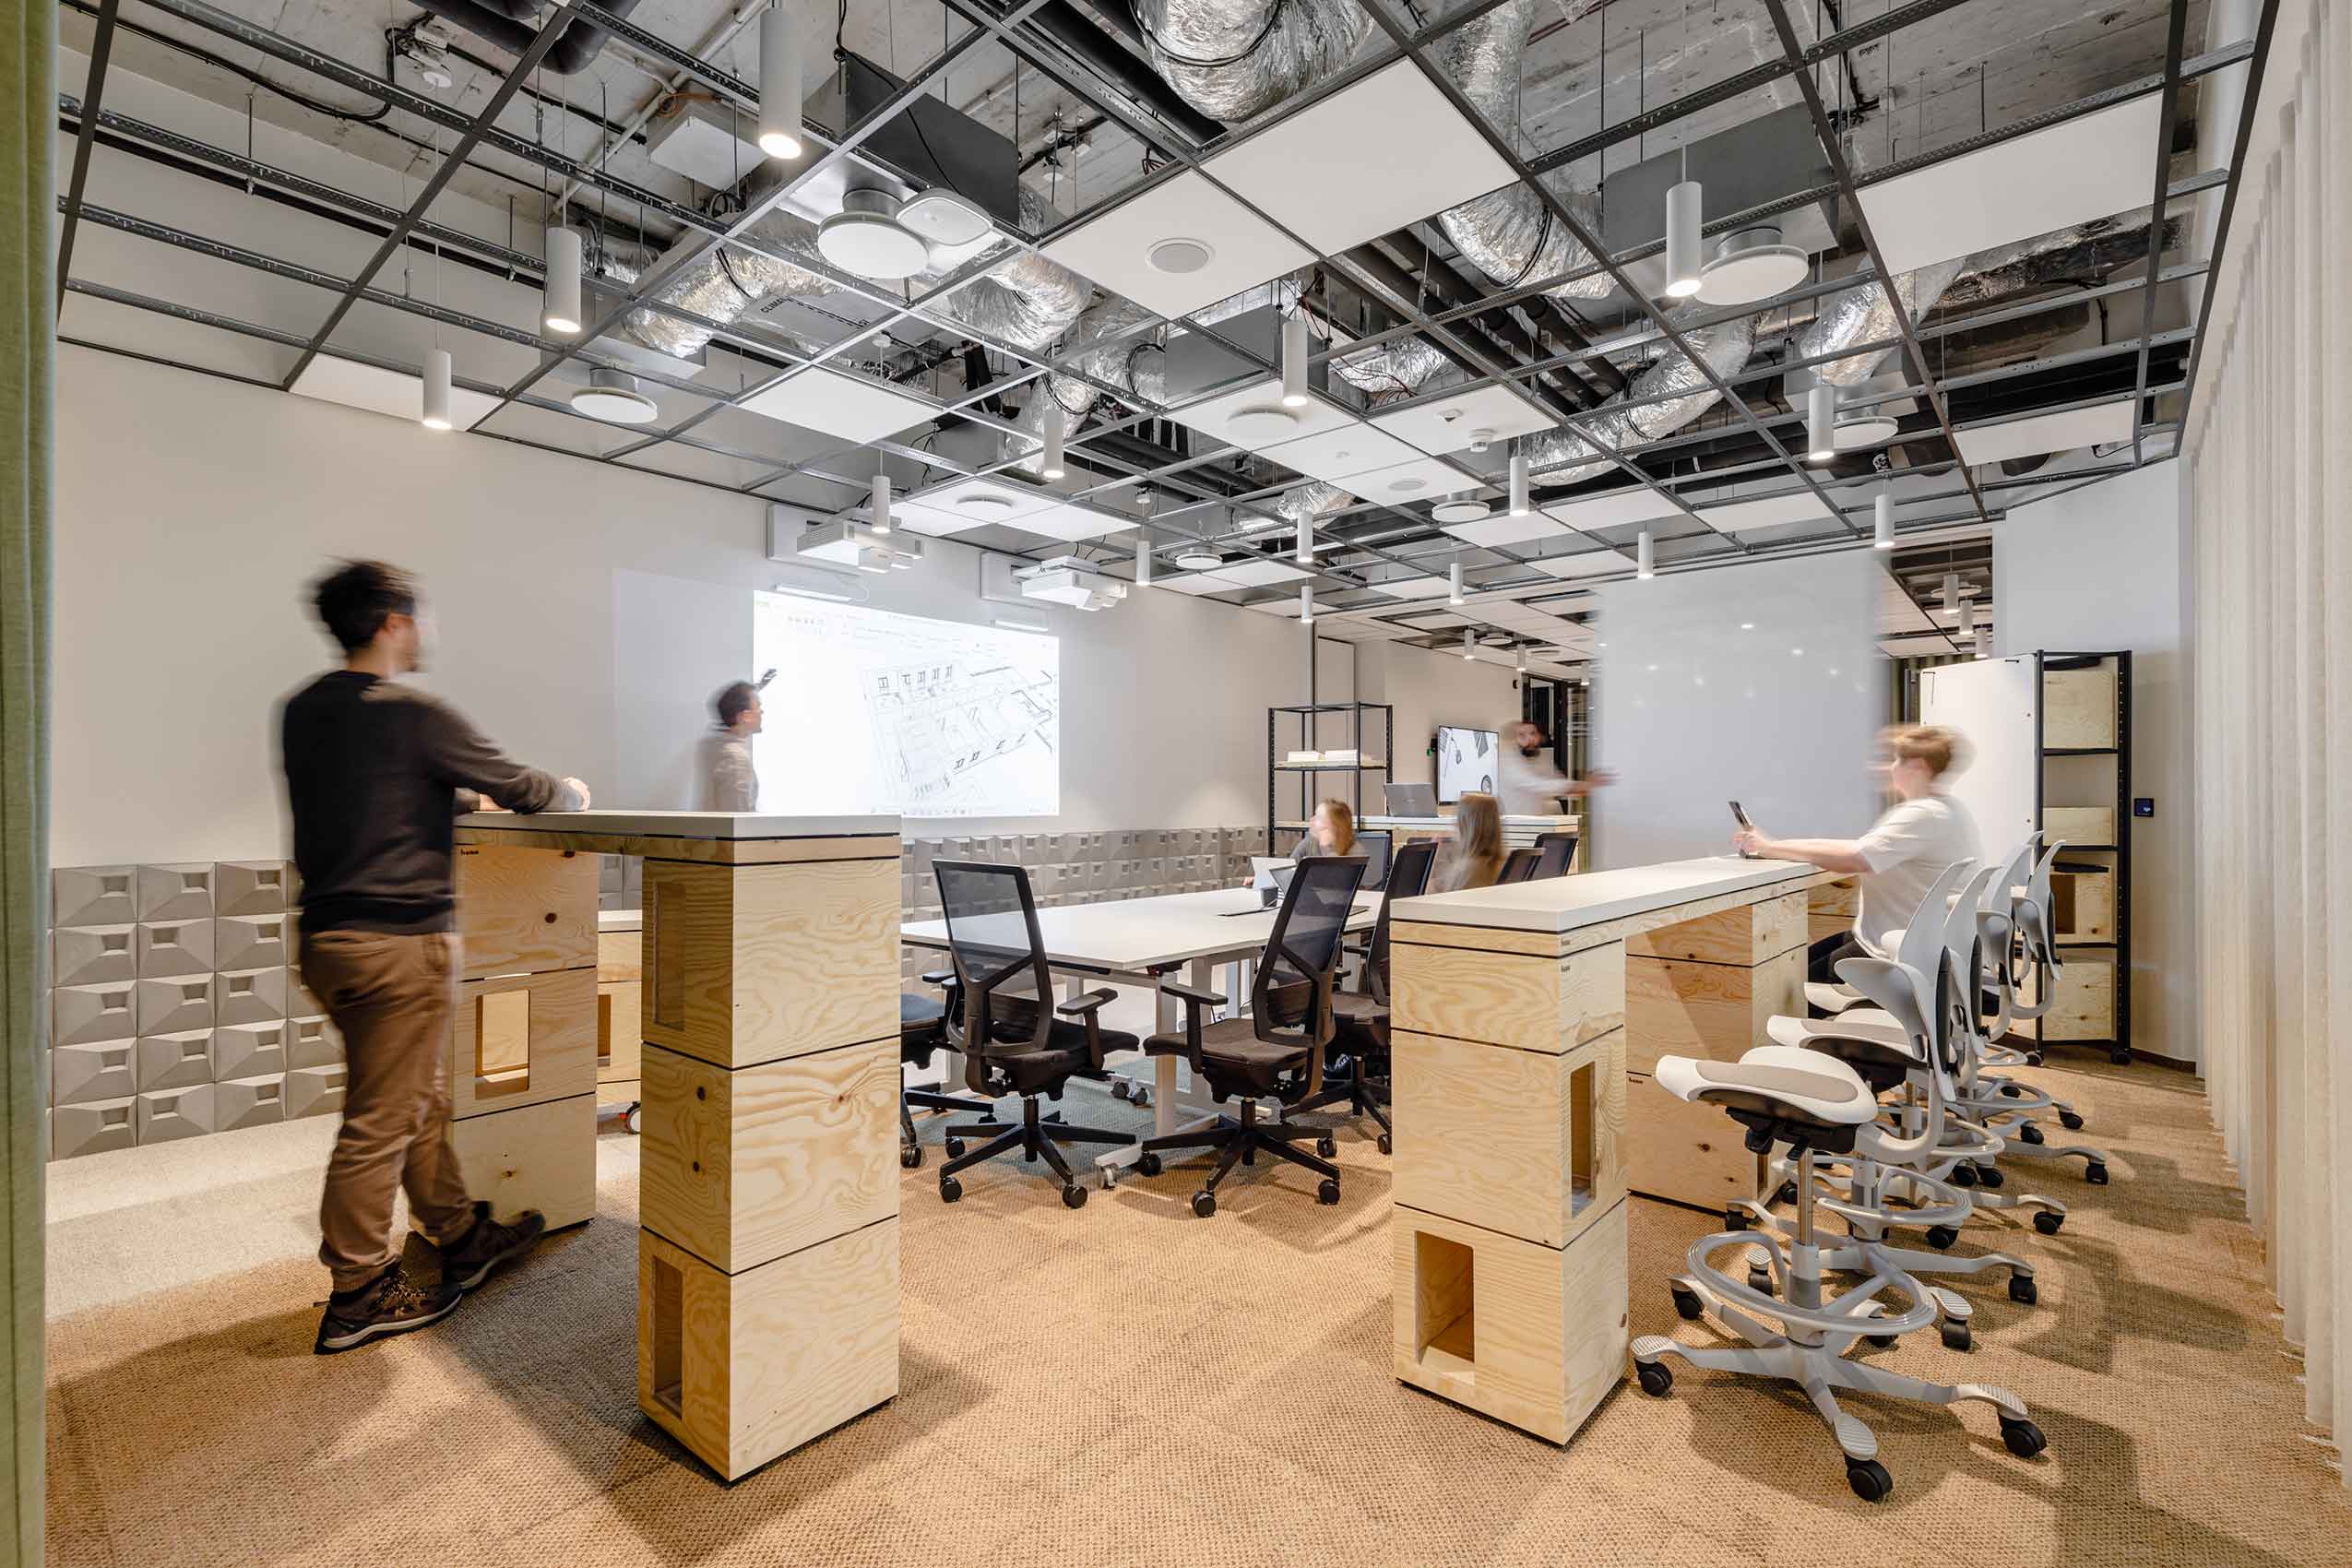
[1899,859]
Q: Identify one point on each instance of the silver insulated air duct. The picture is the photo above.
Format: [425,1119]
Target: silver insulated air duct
[724,284]
[1233,59]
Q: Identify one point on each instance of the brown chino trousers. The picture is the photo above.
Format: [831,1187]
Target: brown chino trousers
[394,998]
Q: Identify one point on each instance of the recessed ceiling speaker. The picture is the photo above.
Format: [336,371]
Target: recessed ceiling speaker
[1871,428]
[868,238]
[1752,265]
[1262,423]
[944,218]
[1405,484]
[1197,559]
[1461,511]
[612,395]
[985,503]
[1179,254]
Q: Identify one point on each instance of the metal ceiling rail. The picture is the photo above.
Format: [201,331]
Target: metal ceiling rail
[2175,32]
[101,50]
[2249,101]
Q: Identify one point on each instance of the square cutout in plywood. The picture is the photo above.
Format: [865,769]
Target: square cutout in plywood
[1340,172]
[1179,245]
[523,1039]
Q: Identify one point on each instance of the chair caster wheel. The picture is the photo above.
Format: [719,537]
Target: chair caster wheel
[1073,1196]
[1687,1304]
[1884,1341]
[2013,1092]
[1147,1164]
[634,1118]
[1785,1193]
[1327,1191]
[2029,1133]
[1327,1146]
[1760,1278]
[2047,1223]
[1656,1378]
[1122,1090]
[2033,1059]
[911,1156]
[955,1148]
[1204,1204]
[2023,1438]
[1869,1481]
[2069,1120]
[1991,1177]
[2120,1058]
[1956,1335]
[950,1189]
[2022,1290]
[1735,1218]
[1963,1175]
[1387,1144]
[1941,1236]
[2096,1173]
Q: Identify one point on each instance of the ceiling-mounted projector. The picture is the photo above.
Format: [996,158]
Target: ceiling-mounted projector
[1066,579]
[848,543]
[612,395]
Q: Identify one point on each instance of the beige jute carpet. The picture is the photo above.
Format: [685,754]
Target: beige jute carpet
[1128,1384]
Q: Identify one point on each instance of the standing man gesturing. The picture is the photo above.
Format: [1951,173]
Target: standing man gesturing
[376,771]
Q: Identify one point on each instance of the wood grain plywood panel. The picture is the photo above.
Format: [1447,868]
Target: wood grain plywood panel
[742,1368]
[1746,935]
[619,955]
[740,1167]
[1530,1334]
[620,1030]
[1518,1141]
[540,1157]
[522,1039]
[2078,824]
[2078,708]
[1517,999]
[750,964]
[1686,1153]
[2084,1007]
[525,911]
[700,852]
[1716,1011]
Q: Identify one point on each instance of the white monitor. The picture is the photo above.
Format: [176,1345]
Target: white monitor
[1468,761]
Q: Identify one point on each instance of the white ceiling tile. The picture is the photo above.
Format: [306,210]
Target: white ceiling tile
[1115,249]
[1907,647]
[1341,453]
[1410,588]
[2038,434]
[1199,583]
[1260,573]
[1450,424]
[1364,161]
[1502,529]
[1281,604]
[1210,417]
[1071,522]
[2093,167]
[1420,479]
[1770,511]
[1616,509]
[333,380]
[1591,563]
[854,407]
[971,503]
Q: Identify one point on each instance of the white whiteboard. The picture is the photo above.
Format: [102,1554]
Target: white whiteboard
[1991,702]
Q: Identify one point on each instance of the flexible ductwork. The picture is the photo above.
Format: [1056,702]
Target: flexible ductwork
[726,281]
[1391,373]
[1234,59]
[1563,457]
[506,25]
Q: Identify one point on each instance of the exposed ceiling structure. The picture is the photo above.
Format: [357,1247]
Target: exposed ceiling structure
[1940,210]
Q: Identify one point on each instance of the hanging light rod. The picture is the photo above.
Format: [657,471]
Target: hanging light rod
[437,389]
[561,306]
[1294,358]
[780,82]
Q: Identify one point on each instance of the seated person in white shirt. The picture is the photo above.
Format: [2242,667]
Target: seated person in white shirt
[1899,859]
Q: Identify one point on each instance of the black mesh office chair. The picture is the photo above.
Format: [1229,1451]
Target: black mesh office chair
[1374,847]
[923,1032]
[1520,867]
[1014,1040]
[1361,1017]
[1555,852]
[1278,1051]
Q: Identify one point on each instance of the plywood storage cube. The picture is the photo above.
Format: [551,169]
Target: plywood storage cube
[620,955]
[540,1157]
[620,1030]
[745,1367]
[1530,1334]
[1529,1000]
[1675,1008]
[1686,1153]
[742,1167]
[1744,936]
[1830,908]
[2083,901]
[522,1039]
[2078,708]
[525,910]
[2085,1005]
[2087,826]
[746,964]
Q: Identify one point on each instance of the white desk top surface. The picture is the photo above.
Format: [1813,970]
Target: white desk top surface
[1132,935]
[1567,903]
[682,825]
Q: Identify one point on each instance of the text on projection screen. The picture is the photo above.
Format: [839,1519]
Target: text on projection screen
[875,712]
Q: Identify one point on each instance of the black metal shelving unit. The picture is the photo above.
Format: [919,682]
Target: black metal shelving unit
[1305,772]
[2116,953]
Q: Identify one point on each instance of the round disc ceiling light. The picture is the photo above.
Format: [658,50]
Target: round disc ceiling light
[1752,265]
[1857,432]
[1461,511]
[612,395]
[1262,423]
[944,218]
[867,238]
[1200,560]
[1179,254]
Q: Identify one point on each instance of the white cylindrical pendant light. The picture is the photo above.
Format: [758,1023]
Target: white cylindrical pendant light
[780,83]
[1644,557]
[1307,603]
[1882,536]
[880,510]
[1052,468]
[1684,264]
[561,310]
[1821,423]
[1453,583]
[1305,552]
[1968,630]
[1519,507]
[1469,643]
[1950,594]
[437,389]
[1294,360]
[1143,561]
[1523,661]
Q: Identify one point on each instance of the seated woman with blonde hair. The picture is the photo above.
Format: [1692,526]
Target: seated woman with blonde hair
[1333,831]
[1474,857]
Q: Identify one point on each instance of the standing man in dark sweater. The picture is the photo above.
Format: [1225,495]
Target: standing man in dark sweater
[375,772]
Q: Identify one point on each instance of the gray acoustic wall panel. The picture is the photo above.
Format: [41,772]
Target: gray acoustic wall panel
[314,1091]
[92,955]
[167,1007]
[81,1014]
[175,1061]
[175,1113]
[312,1042]
[80,1073]
[249,996]
[182,891]
[94,896]
[248,1102]
[249,1051]
[175,947]
[252,887]
[252,942]
[94,1128]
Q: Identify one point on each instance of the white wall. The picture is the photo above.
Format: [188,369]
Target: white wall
[1432,688]
[583,614]
[1756,682]
[2099,569]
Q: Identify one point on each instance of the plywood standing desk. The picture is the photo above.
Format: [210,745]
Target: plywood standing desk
[1519,1033]
[767,1264]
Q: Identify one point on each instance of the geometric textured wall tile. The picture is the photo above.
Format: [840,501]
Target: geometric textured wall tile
[174,1115]
[300,1002]
[251,888]
[81,1014]
[170,1006]
[314,1091]
[182,891]
[90,954]
[176,1060]
[80,1074]
[93,896]
[94,1128]
[248,1102]
[175,947]
[249,1051]
[312,1042]
[250,942]
[248,997]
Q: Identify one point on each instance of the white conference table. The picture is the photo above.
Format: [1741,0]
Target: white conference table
[1146,942]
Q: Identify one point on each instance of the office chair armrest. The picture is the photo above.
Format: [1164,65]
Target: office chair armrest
[939,977]
[1191,994]
[1196,1001]
[1084,1006]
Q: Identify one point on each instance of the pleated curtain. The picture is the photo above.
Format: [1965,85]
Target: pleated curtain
[2270,488]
